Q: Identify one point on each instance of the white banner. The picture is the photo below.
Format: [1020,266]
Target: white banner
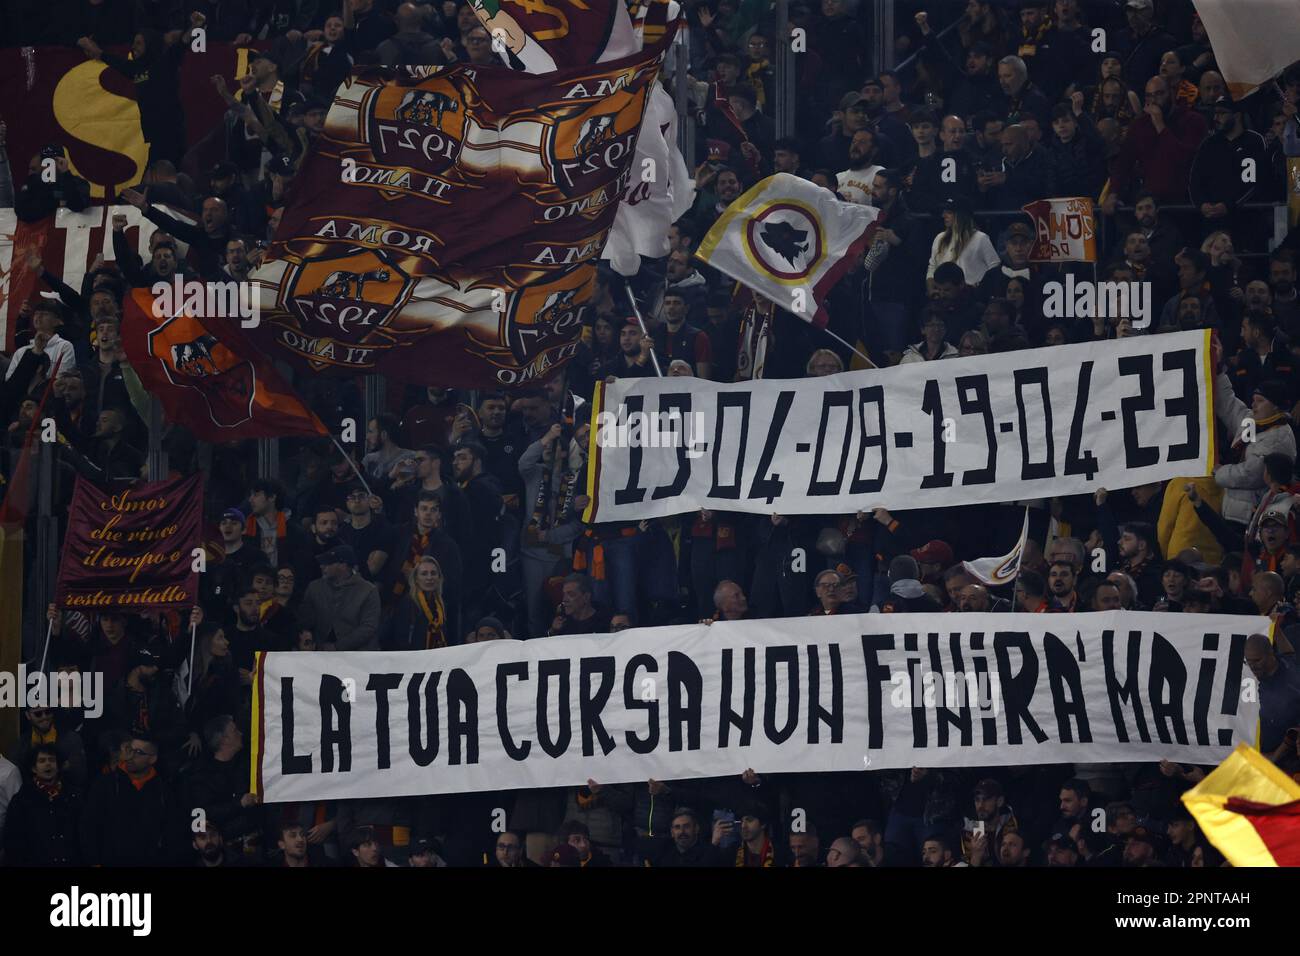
[781,696]
[1009,427]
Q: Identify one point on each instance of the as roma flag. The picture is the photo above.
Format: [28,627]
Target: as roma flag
[209,378]
[447,224]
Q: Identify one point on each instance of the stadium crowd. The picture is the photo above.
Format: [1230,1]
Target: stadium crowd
[310,558]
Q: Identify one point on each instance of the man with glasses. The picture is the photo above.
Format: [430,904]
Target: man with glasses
[42,729]
[827,588]
[368,534]
[509,852]
[129,813]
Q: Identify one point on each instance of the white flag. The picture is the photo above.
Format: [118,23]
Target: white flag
[790,241]
[660,192]
[995,572]
[1251,50]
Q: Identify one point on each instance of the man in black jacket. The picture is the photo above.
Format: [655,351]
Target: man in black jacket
[207,241]
[50,184]
[129,815]
[41,828]
[1026,174]
[684,848]
[218,784]
[1218,185]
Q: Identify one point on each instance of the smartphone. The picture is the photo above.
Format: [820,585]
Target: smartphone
[732,836]
[978,828]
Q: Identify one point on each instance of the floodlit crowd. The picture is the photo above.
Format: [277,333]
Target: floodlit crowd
[457,516]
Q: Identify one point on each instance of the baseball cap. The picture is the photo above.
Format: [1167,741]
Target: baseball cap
[339,554]
[52,151]
[143,657]
[234,514]
[1140,4]
[281,166]
[1020,229]
[988,787]
[1062,841]
[845,572]
[492,622]
[934,552]
[1226,103]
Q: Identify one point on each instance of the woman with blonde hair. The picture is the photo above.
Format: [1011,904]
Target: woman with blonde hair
[824,362]
[962,242]
[419,621]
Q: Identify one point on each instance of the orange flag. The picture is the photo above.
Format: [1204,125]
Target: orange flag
[209,378]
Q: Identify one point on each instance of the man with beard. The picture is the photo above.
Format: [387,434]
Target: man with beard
[684,848]
[207,240]
[249,636]
[483,494]
[43,729]
[1162,163]
[211,847]
[1060,583]
[129,812]
[1012,850]
[1286,301]
[992,819]
[755,848]
[368,534]
[978,89]
[936,852]
[711,203]
[675,338]
[503,444]
[1216,186]
[894,262]
[634,351]
[854,184]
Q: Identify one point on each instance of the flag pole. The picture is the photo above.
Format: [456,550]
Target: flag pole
[49,629]
[870,364]
[641,322]
[189,678]
[353,465]
[1024,540]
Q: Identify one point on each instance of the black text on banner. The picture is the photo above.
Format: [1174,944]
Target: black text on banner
[828,694]
[1031,424]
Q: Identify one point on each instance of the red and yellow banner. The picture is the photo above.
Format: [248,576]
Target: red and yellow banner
[132,549]
[1065,230]
[1249,810]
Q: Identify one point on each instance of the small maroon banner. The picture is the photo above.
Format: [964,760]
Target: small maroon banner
[131,550]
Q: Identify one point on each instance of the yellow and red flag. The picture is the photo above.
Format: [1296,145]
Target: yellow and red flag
[1249,810]
[209,378]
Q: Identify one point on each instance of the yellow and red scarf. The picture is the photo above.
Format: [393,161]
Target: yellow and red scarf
[764,857]
[435,618]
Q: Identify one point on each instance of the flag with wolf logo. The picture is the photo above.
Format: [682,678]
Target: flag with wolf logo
[209,378]
[790,241]
[995,572]
[447,224]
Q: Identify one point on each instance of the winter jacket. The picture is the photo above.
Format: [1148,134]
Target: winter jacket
[345,615]
[1161,161]
[1244,482]
[40,831]
[125,824]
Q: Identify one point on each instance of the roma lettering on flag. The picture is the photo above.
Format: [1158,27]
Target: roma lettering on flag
[1064,230]
[789,241]
[209,378]
[447,224]
[1249,810]
[132,549]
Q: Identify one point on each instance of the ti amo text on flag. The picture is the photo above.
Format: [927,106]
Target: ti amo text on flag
[447,225]
[994,428]
[834,694]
